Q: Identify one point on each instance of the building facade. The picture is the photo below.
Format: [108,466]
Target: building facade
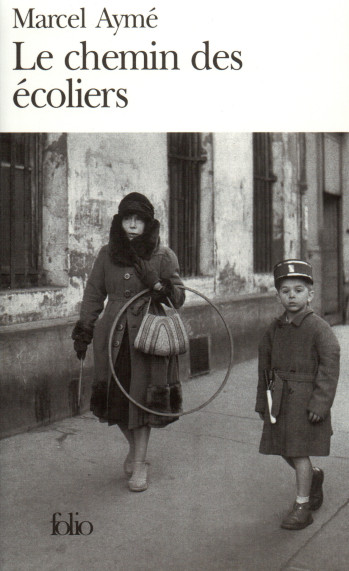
[229,204]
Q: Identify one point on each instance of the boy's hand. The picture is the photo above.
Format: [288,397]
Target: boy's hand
[312,417]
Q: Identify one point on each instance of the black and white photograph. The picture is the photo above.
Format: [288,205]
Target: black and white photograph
[102,231]
[174,205]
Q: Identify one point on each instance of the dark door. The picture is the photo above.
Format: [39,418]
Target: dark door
[331,260]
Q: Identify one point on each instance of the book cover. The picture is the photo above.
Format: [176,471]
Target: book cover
[232,119]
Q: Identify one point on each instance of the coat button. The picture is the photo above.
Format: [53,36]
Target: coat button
[127,293]
[116,343]
[120,327]
[127,276]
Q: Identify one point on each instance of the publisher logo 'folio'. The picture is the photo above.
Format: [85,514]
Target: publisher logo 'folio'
[71,527]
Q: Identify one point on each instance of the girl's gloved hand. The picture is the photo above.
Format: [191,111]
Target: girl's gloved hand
[162,291]
[146,273]
[82,336]
[80,348]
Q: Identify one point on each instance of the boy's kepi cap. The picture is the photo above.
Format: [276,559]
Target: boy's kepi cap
[293,269]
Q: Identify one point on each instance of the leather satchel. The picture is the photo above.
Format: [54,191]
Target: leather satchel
[162,335]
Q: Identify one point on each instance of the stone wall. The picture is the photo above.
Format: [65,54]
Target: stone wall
[84,177]
[40,380]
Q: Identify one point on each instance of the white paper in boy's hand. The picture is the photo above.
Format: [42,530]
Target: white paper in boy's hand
[270,404]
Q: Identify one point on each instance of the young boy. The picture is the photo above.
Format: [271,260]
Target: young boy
[299,362]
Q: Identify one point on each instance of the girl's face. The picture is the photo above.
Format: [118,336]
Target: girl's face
[294,294]
[133,225]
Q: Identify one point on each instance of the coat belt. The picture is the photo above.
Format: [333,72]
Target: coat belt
[292,376]
[278,386]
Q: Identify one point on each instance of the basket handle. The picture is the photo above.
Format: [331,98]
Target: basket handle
[169,301]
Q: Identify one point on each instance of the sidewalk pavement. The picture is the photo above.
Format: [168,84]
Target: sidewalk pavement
[213,502]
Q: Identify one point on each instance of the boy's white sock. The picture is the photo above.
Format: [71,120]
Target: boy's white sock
[302,499]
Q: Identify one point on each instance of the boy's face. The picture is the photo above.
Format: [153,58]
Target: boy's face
[295,294]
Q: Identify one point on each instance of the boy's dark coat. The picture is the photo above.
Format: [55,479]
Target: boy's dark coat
[307,345]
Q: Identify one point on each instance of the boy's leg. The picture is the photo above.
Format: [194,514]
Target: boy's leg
[316,495]
[289,462]
[300,516]
[316,492]
[304,475]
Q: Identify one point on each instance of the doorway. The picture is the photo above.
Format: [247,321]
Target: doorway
[331,259]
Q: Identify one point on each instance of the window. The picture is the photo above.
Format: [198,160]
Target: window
[20,210]
[263,180]
[185,157]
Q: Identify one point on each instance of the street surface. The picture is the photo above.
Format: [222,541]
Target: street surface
[213,503]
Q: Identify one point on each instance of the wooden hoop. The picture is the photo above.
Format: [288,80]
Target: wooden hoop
[169,414]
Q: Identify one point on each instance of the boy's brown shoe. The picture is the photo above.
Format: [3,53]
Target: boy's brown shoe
[298,518]
[316,493]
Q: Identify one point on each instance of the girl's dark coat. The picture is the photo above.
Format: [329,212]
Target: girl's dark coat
[113,278]
[305,346]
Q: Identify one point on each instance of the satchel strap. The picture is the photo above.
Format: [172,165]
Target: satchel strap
[148,307]
[171,305]
[169,301]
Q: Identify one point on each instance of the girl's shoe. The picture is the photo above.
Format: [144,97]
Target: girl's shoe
[298,518]
[316,494]
[138,481]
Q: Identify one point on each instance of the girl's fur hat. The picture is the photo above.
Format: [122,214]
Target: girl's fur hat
[136,203]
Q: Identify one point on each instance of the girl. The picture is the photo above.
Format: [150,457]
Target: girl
[133,260]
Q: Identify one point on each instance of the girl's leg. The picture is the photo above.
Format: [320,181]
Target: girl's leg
[129,437]
[128,464]
[138,481]
[141,439]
